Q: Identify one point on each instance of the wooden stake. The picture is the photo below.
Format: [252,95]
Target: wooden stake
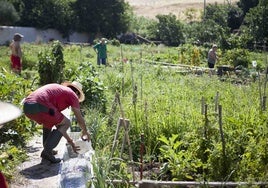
[203,105]
[216,102]
[122,121]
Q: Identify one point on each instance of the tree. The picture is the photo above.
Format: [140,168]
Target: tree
[225,15]
[104,17]
[207,32]
[217,13]
[56,14]
[256,21]
[8,14]
[64,17]
[116,18]
[168,29]
[246,5]
[100,17]
[18,5]
[235,17]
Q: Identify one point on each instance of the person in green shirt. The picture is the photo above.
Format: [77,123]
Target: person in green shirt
[101,50]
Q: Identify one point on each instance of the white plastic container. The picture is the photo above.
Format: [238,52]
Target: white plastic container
[84,146]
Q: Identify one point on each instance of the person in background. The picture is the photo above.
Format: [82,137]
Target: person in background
[45,106]
[101,50]
[212,56]
[16,53]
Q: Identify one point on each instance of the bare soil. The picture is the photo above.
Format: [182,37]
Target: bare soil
[150,8]
[35,173]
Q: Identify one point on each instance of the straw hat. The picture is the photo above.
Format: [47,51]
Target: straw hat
[77,86]
[8,112]
[17,36]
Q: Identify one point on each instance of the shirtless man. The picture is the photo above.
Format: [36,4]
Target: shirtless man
[16,53]
[212,56]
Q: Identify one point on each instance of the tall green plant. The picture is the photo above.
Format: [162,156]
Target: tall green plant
[93,87]
[51,64]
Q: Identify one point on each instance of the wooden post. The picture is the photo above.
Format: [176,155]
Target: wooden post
[221,131]
[224,167]
[121,122]
[141,156]
[115,137]
[141,87]
[149,185]
[122,69]
[206,121]
[216,102]
[141,57]
[203,105]
[126,133]
[260,93]
[264,103]
[113,109]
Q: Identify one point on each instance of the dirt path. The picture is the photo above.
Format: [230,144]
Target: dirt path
[34,174]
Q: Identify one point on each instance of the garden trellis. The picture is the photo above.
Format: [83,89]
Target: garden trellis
[121,122]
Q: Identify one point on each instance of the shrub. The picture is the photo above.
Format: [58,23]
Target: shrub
[51,64]
[237,57]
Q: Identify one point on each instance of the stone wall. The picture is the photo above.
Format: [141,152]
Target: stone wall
[33,35]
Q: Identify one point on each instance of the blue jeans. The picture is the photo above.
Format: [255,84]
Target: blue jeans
[101,61]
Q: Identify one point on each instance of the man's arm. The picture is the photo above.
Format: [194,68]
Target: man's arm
[81,123]
[19,51]
[62,127]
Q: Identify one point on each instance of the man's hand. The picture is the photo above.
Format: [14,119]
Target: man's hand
[85,136]
[75,148]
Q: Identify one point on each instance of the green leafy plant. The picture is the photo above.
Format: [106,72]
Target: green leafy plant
[14,134]
[93,87]
[51,64]
[236,57]
[180,163]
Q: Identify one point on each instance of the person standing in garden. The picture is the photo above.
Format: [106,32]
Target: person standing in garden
[45,106]
[101,50]
[16,53]
[212,56]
